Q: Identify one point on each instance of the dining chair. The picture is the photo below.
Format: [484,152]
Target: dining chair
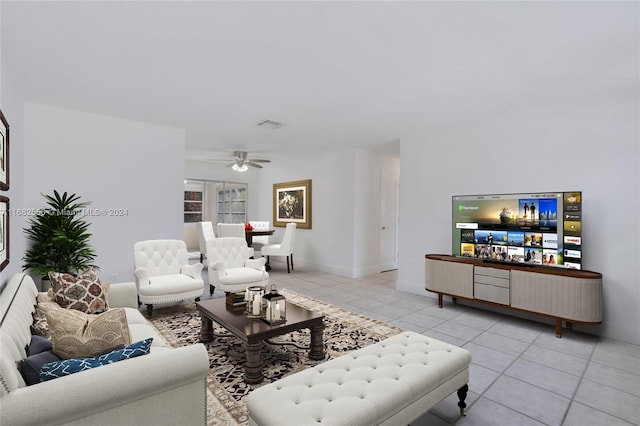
[231,230]
[285,248]
[190,237]
[205,233]
[260,240]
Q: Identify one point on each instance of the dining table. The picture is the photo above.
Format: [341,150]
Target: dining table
[249,234]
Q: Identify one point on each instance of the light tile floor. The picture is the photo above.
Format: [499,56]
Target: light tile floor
[521,374]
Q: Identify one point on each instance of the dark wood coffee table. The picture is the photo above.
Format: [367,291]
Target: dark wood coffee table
[253,332]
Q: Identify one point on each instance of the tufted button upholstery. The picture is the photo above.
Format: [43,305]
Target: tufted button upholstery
[233,230]
[260,225]
[163,274]
[230,268]
[160,257]
[366,387]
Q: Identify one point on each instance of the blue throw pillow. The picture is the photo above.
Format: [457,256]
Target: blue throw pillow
[53,370]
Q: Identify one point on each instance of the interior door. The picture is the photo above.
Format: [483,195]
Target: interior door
[389,205]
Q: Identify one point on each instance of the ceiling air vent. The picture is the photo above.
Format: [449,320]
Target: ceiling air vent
[270,124]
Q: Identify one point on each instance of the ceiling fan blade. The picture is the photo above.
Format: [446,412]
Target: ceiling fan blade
[239,159]
[240,155]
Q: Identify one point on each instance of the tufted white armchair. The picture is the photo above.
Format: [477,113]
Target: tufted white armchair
[230,268]
[163,274]
[233,230]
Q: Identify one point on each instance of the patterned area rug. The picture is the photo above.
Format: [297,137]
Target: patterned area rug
[344,332]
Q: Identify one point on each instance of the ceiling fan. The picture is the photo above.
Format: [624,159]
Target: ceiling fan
[240,161]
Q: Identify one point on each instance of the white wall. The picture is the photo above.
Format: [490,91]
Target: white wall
[12,108]
[115,164]
[327,246]
[345,208]
[590,145]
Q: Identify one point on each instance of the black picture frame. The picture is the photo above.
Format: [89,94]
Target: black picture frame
[4,232]
[4,153]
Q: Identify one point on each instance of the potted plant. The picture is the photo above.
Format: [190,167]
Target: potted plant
[59,237]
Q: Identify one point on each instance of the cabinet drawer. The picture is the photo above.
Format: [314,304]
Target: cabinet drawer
[499,282]
[492,272]
[491,293]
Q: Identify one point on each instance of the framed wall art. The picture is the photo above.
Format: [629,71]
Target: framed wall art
[292,203]
[4,153]
[4,232]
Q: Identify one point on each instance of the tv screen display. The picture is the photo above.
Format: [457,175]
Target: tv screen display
[537,229]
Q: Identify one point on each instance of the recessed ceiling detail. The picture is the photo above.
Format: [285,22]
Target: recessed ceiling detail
[270,124]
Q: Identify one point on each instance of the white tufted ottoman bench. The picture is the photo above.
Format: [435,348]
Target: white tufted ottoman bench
[392,382]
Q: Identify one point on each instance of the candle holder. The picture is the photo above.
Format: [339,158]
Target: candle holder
[253,296]
[274,307]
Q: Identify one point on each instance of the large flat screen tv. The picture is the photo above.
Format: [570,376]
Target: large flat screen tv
[536,229]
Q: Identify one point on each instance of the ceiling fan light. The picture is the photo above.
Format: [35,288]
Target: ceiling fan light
[239,167]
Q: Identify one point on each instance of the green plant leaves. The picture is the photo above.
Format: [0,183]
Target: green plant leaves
[59,237]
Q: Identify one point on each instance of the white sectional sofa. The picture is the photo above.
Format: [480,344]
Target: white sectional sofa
[165,387]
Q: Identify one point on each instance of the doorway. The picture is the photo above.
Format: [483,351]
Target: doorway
[389,206]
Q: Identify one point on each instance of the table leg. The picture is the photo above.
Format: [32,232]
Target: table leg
[206,329]
[253,363]
[316,351]
[558,328]
[462,395]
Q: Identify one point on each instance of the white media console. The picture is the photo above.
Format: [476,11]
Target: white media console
[569,295]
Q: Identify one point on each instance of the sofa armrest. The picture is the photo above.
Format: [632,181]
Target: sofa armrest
[142,277]
[130,385]
[123,295]
[194,271]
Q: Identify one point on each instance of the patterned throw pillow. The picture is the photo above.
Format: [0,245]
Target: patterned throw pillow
[84,293]
[78,335]
[45,297]
[49,297]
[57,369]
[40,327]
